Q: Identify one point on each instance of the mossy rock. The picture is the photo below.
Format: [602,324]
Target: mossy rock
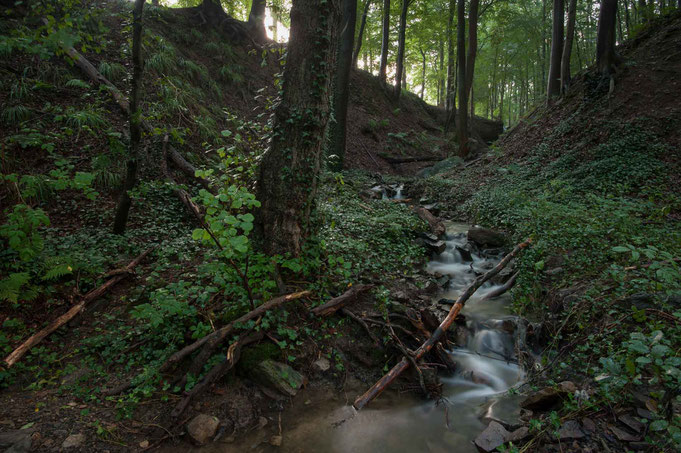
[278,376]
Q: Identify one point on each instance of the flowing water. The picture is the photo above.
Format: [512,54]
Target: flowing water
[394,422]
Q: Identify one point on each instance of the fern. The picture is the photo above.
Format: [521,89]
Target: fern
[58,271]
[112,71]
[10,287]
[15,114]
[77,83]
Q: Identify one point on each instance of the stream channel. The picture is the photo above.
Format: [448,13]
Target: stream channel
[323,420]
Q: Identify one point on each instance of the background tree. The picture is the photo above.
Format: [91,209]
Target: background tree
[567,47]
[553,85]
[256,20]
[385,42]
[289,171]
[401,38]
[360,36]
[124,202]
[606,57]
[462,123]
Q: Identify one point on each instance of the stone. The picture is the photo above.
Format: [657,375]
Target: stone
[19,440]
[645,413]
[518,435]
[322,364]
[275,441]
[623,435]
[486,238]
[278,376]
[492,437]
[548,397]
[442,281]
[570,430]
[202,428]
[73,441]
[435,246]
[631,423]
[589,425]
[466,253]
[144,444]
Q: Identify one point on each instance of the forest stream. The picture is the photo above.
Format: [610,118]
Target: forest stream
[478,392]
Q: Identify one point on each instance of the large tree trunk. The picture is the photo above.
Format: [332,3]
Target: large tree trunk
[553,86]
[567,48]
[606,57]
[400,75]
[385,42]
[256,20]
[360,36]
[289,171]
[472,50]
[462,124]
[121,219]
[341,92]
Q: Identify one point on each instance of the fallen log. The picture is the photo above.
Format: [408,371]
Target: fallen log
[502,289]
[437,227]
[97,77]
[348,297]
[96,293]
[221,334]
[232,357]
[407,159]
[401,366]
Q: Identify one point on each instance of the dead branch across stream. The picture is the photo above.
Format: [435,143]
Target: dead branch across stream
[403,364]
[96,293]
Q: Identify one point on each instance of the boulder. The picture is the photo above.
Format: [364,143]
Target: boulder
[278,376]
[435,246]
[486,238]
[548,397]
[492,437]
[202,428]
[466,253]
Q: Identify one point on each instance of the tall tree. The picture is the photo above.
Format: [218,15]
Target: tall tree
[606,57]
[124,202]
[341,92]
[289,171]
[385,42]
[567,48]
[472,49]
[553,86]
[256,20]
[360,36]
[462,123]
[400,75]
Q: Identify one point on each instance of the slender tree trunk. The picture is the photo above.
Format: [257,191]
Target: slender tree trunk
[341,91]
[627,18]
[401,37]
[567,48]
[606,58]
[124,202]
[289,171]
[385,42]
[423,72]
[462,124]
[642,11]
[256,20]
[360,36]
[543,46]
[553,86]
[441,77]
[472,50]
[451,74]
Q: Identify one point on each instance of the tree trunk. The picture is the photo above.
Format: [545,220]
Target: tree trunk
[289,171]
[606,58]
[360,36]
[124,202]
[451,74]
[423,73]
[553,86]
[402,32]
[256,20]
[441,77]
[462,124]
[567,48]
[472,50]
[385,42]
[341,92]
[543,45]
[642,11]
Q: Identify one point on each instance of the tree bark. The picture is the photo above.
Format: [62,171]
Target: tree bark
[567,48]
[256,20]
[289,171]
[606,57]
[401,37]
[553,85]
[423,73]
[341,92]
[451,75]
[472,50]
[360,36]
[385,42]
[124,202]
[462,124]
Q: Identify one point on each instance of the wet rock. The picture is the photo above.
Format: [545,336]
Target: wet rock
[478,377]
[443,281]
[570,430]
[448,302]
[73,441]
[507,325]
[486,238]
[202,428]
[461,336]
[238,412]
[623,435]
[518,435]
[435,246]
[547,397]
[466,253]
[278,376]
[631,423]
[492,437]
[19,440]
[322,364]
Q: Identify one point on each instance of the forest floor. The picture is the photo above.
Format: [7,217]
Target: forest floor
[593,180]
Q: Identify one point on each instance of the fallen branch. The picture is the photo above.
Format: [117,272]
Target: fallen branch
[398,369]
[232,357]
[96,293]
[348,297]
[215,338]
[407,159]
[502,289]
